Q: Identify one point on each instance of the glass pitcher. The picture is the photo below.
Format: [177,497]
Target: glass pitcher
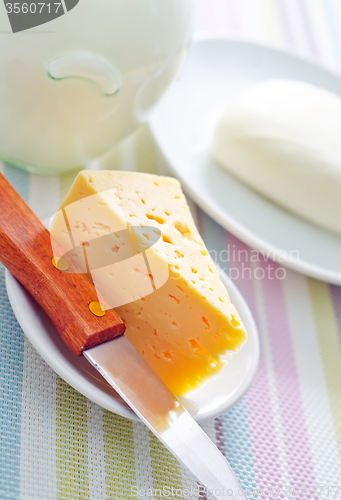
[78,76]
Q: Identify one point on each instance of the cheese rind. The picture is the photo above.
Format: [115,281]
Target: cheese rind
[186,326]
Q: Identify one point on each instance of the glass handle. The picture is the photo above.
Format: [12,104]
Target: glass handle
[87,66]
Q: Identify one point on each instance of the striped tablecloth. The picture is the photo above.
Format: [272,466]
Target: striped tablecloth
[284,438]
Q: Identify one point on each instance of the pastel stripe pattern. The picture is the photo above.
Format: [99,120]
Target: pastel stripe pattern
[11,374]
[38,467]
[298,451]
[262,429]
[143,459]
[329,343]
[71,443]
[284,438]
[11,352]
[96,455]
[313,386]
[119,457]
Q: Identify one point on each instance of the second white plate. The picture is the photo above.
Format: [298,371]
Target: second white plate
[183,126]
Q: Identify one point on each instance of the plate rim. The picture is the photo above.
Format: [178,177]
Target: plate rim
[228,222]
[84,386]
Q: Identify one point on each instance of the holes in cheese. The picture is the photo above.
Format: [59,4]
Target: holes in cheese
[156,218]
[167,240]
[174,298]
[182,228]
[184,326]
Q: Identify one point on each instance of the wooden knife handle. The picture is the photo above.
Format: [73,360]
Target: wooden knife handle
[26,251]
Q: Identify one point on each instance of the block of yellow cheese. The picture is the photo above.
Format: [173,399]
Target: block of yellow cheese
[177,311]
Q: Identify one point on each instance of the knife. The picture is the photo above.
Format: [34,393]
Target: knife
[72,303]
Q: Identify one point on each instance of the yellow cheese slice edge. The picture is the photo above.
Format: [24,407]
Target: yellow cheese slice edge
[187,328]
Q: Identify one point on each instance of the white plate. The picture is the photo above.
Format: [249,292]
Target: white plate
[183,125]
[217,396]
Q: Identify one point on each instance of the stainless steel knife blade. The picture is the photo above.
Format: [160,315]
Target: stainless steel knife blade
[130,375]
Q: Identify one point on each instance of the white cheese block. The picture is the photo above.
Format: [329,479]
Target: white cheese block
[283,138]
[177,311]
